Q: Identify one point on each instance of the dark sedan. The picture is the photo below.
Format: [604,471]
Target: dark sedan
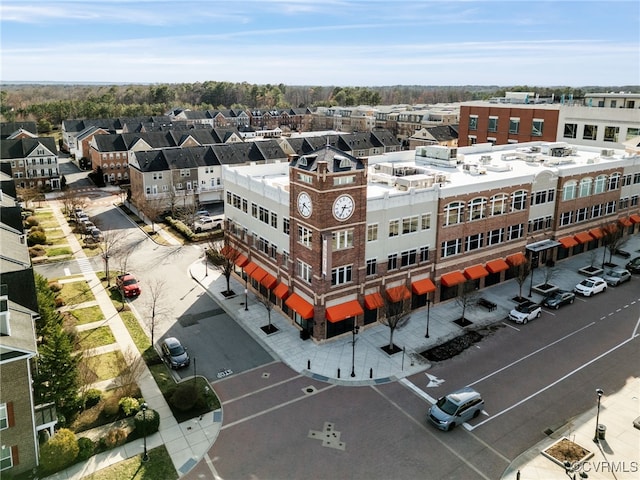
[559,298]
[633,265]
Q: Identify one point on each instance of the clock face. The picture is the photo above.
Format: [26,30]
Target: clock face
[343,207]
[304,205]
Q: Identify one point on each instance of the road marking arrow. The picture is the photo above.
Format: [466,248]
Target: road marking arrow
[434,381]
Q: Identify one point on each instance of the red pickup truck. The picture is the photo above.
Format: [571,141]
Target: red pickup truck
[128,285]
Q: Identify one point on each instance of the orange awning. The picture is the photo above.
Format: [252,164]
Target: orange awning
[281,291]
[611,228]
[625,222]
[635,218]
[250,267]
[475,272]
[420,287]
[516,259]
[568,242]
[397,294]
[227,251]
[241,260]
[269,281]
[258,274]
[343,311]
[495,266]
[452,279]
[373,301]
[298,304]
[596,233]
[583,237]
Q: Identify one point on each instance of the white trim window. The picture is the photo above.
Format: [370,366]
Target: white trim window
[305,236]
[372,232]
[341,275]
[6,459]
[342,239]
[599,185]
[451,248]
[304,271]
[585,187]
[569,190]
[477,208]
[499,204]
[453,213]
[519,200]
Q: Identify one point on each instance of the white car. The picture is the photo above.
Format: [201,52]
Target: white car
[591,286]
[525,311]
[207,223]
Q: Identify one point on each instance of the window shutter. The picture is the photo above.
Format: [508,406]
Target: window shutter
[10,417]
[15,458]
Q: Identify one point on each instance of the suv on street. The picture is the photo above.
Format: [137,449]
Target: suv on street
[591,286]
[559,298]
[128,285]
[616,276]
[456,408]
[207,223]
[174,353]
[525,311]
[633,265]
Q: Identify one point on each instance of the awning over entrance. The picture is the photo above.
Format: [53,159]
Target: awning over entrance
[373,301]
[568,242]
[269,281]
[241,260]
[635,218]
[596,233]
[452,279]
[420,287]
[250,267]
[516,259]
[299,305]
[281,291]
[625,222]
[397,294]
[497,265]
[343,311]
[475,272]
[583,237]
[258,274]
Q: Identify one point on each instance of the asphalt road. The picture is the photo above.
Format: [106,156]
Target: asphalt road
[534,378]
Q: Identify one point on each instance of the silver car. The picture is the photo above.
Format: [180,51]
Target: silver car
[456,408]
[616,276]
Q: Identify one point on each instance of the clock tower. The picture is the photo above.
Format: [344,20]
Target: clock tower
[327,238]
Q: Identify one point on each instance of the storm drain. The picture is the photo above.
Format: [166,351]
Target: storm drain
[266,375]
[309,390]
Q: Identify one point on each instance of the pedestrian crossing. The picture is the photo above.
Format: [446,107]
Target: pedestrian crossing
[85,266]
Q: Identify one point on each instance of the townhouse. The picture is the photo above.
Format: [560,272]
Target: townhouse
[333,239]
[33,161]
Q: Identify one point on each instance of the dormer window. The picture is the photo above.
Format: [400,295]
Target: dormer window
[303,161]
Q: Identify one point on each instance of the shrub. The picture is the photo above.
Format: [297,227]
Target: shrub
[115,437]
[129,405]
[59,452]
[37,251]
[92,398]
[86,448]
[146,422]
[37,228]
[185,397]
[31,221]
[36,238]
[59,302]
[55,286]
[111,406]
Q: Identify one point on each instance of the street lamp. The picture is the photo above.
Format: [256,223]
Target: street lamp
[106,268]
[206,263]
[428,308]
[246,293]
[145,455]
[599,392]
[354,332]
[534,261]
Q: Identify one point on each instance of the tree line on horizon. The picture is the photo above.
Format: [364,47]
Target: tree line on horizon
[50,104]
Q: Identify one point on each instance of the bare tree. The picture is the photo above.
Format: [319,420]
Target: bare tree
[612,240]
[396,317]
[548,274]
[71,199]
[156,304]
[222,256]
[467,297]
[108,246]
[130,367]
[522,272]
[152,208]
[268,305]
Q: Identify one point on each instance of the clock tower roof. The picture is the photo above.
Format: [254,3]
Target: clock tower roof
[336,161]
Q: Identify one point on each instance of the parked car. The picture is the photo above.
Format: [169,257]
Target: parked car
[174,353]
[525,311]
[128,284]
[456,408]
[96,234]
[202,213]
[85,226]
[616,276]
[622,253]
[590,286]
[207,223]
[559,298]
[633,265]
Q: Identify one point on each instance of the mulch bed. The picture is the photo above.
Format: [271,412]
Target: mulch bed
[390,351]
[452,348]
[463,322]
[269,329]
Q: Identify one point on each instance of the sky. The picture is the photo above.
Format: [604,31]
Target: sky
[322,42]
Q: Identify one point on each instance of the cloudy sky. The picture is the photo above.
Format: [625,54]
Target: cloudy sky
[322,42]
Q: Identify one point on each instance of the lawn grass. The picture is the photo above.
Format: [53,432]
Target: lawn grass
[74,293]
[158,467]
[105,366]
[57,251]
[87,315]
[96,337]
[51,240]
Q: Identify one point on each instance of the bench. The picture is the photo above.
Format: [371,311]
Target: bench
[489,305]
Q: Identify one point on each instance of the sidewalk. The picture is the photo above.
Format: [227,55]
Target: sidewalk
[186,443]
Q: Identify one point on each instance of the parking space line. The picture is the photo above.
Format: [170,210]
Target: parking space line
[510,326]
[417,390]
